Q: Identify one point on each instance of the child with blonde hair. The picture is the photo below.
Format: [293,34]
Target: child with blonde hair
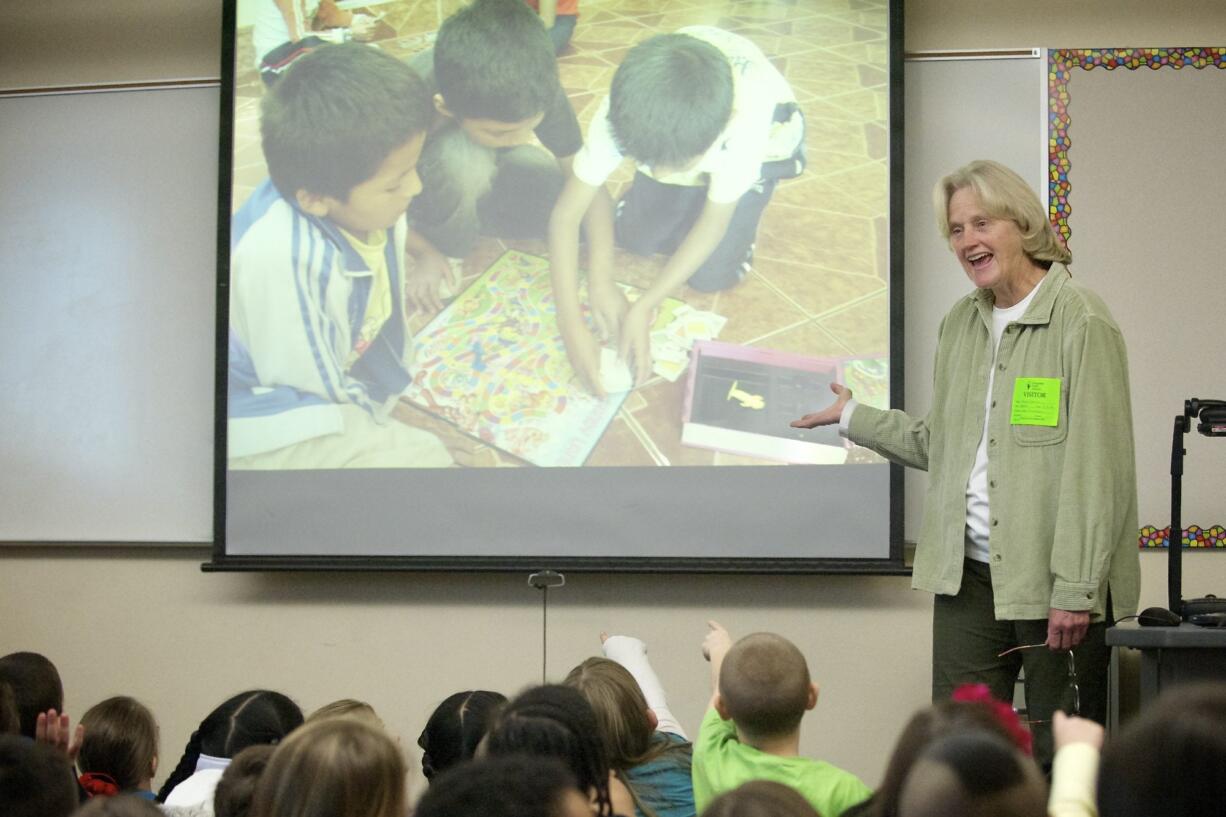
[647,748]
[341,767]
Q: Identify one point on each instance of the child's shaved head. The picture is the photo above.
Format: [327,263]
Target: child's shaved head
[764,684]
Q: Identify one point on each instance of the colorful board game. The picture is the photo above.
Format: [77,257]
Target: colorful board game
[492,363]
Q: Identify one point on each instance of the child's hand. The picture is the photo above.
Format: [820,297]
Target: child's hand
[717,642]
[363,27]
[1070,729]
[829,415]
[427,269]
[609,307]
[55,730]
[635,341]
[584,354]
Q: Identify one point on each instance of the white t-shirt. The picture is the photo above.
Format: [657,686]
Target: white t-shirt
[733,163]
[978,524]
[270,29]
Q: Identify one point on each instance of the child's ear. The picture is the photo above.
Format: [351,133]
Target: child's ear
[313,203]
[153,772]
[652,718]
[812,701]
[440,105]
[721,708]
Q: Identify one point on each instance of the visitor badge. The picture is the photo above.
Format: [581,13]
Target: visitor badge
[1036,401]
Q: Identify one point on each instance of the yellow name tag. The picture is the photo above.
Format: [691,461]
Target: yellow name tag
[1036,401]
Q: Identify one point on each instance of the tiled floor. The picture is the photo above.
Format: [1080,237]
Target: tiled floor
[819,284]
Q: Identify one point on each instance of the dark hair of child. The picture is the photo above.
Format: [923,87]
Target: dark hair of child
[340,767]
[10,720]
[926,726]
[248,719]
[621,710]
[670,99]
[1170,760]
[232,797]
[36,686]
[974,774]
[455,728]
[35,780]
[121,742]
[126,806]
[336,115]
[760,798]
[494,60]
[512,786]
[764,683]
[556,721]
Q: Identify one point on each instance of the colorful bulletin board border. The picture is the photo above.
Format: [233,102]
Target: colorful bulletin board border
[1060,64]
[1194,537]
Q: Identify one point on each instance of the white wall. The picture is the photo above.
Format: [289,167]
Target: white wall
[148,623]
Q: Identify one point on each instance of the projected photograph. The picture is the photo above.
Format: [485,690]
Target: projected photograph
[625,233]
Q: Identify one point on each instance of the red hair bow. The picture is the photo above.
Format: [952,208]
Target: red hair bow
[1007,715]
[97,783]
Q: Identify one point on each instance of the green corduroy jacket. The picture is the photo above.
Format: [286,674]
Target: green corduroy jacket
[1063,499]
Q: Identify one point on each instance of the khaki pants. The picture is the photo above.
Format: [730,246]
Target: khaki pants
[363,444]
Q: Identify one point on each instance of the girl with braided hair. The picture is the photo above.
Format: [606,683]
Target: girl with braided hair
[248,719]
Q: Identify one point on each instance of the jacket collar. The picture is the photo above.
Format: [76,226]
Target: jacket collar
[1040,309]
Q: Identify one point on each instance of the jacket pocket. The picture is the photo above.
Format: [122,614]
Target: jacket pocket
[1042,435]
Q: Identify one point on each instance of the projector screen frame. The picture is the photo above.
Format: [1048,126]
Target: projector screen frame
[893,564]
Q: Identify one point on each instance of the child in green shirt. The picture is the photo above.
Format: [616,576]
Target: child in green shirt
[760,691]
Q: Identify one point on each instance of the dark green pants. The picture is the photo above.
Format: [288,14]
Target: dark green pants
[967,640]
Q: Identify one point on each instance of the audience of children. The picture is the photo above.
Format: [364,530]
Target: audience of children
[546,753]
[119,752]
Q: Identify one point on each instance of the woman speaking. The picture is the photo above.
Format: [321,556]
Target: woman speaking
[1029,536]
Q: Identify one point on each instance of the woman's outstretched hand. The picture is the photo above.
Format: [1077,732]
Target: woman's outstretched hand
[828,415]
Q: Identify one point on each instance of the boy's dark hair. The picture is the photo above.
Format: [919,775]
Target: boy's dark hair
[36,686]
[121,740]
[764,683]
[512,786]
[248,719]
[1171,760]
[336,116]
[556,721]
[35,780]
[234,792]
[494,60]
[455,728]
[671,98]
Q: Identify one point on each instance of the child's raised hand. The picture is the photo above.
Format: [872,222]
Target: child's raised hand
[717,642]
[1068,729]
[55,730]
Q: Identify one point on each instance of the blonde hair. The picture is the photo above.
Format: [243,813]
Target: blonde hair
[1004,195]
[335,767]
[621,711]
[347,708]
